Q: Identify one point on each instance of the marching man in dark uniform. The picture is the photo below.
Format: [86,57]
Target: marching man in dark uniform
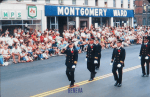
[92,58]
[117,61]
[71,61]
[98,49]
[146,35]
[145,56]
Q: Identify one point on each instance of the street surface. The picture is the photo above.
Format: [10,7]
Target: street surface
[41,78]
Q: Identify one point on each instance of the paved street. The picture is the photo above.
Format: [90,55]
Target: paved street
[31,79]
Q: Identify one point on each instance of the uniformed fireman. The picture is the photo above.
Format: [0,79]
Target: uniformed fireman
[146,35]
[145,56]
[71,62]
[118,57]
[98,49]
[92,58]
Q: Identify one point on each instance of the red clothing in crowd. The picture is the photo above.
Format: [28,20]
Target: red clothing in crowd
[33,37]
[54,37]
[42,38]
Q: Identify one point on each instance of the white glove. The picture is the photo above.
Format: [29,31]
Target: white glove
[111,63]
[139,57]
[146,57]
[119,65]
[85,59]
[95,62]
[73,66]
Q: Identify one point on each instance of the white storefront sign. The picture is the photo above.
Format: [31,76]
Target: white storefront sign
[11,15]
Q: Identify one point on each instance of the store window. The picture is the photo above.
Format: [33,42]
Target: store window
[74,2]
[47,1]
[53,24]
[121,3]
[128,3]
[27,21]
[149,21]
[72,22]
[6,22]
[61,1]
[144,9]
[85,2]
[96,21]
[17,21]
[148,8]
[105,3]
[34,0]
[144,21]
[52,20]
[36,21]
[96,2]
[114,3]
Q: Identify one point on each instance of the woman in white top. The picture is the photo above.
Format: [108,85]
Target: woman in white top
[29,47]
[6,53]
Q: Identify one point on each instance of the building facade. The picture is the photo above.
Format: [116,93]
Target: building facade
[68,14]
[142,12]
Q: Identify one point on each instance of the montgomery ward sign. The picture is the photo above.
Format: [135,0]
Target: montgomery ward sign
[32,11]
[86,11]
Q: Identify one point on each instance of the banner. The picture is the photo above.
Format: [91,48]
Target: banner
[51,10]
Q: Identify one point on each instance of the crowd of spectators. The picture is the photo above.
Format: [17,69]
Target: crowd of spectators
[36,45]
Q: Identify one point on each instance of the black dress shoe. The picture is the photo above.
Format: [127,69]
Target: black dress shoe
[90,79]
[143,75]
[116,84]
[119,85]
[71,86]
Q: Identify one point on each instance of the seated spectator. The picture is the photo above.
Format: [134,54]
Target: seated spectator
[6,53]
[49,48]
[29,48]
[78,48]
[39,54]
[16,52]
[35,56]
[28,58]
[23,56]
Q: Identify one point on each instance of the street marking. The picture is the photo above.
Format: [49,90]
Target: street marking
[81,83]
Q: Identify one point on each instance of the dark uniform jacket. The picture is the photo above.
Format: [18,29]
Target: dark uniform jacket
[118,56]
[71,57]
[145,50]
[92,53]
[98,49]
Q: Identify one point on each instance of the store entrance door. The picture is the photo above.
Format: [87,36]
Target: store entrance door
[117,24]
[62,22]
[84,22]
